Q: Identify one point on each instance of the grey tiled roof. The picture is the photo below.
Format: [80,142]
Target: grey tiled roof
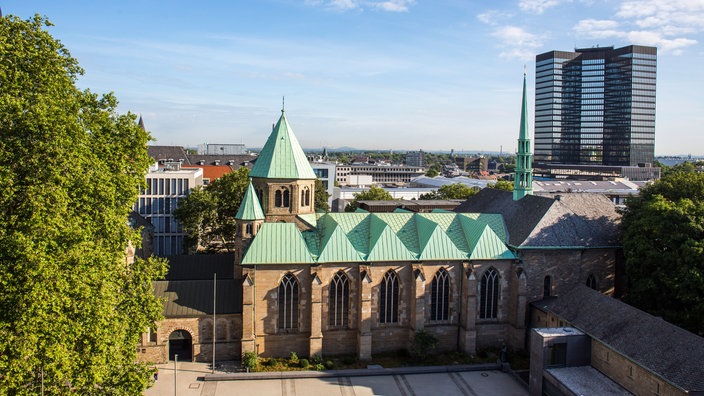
[228,159]
[567,220]
[663,348]
[174,153]
[200,266]
[188,298]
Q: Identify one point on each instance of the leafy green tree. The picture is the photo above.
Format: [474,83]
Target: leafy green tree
[208,214]
[432,172]
[663,241]
[320,200]
[72,309]
[450,191]
[373,194]
[506,185]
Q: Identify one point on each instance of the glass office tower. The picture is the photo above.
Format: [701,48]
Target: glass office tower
[595,106]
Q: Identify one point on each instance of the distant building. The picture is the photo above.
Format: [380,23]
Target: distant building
[415,158]
[166,186]
[595,107]
[391,174]
[222,149]
[476,165]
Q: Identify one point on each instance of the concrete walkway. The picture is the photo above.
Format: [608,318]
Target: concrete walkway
[196,379]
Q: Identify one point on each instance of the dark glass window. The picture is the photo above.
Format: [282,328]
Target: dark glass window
[440,296]
[388,298]
[288,303]
[547,286]
[339,300]
[591,281]
[489,295]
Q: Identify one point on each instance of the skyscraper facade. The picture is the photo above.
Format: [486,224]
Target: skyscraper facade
[595,106]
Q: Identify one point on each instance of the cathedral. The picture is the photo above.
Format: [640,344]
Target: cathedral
[364,283]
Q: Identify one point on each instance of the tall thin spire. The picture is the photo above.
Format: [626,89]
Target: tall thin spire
[283,103]
[523,177]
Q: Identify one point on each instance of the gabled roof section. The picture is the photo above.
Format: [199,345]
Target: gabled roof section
[384,244]
[662,348]
[278,243]
[570,220]
[487,245]
[336,247]
[434,243]
[250,209]
[282,156]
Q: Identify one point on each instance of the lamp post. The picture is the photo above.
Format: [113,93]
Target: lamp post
[175,360]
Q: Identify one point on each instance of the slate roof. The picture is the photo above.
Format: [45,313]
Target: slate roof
[187,289]
[374,237]
[250,209]
[188,298]
[663,348]
[282,156]
[166,153]
[578,220]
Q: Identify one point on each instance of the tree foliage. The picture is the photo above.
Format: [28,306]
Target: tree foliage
[450,191]
[320,200]
[208,214]
[663,240]
[506,185]
[373,194]
[71,309]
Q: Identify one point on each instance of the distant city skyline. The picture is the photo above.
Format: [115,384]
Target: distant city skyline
[394,74]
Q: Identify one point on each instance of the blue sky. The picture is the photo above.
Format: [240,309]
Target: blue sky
[396,74]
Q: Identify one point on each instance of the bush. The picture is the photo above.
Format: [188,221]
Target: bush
[293,358]
[329,365]
[423,343]
[319,367]
[250,360]
[304,363]
[317,359]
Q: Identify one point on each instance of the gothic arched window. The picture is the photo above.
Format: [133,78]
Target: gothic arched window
[591,281]
[286,198]
[278,198]
[339,306]
[489,295]
[388,298]
[307,197]
[547,286]
[440,296]
[288,302]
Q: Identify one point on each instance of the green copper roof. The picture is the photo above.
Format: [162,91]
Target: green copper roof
[278,243]
[282,156]
[250,209]
[375,237]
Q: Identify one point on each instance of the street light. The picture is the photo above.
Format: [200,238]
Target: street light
[175,360]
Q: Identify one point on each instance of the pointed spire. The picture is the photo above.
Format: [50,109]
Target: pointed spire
[523,176]
[141,123]
[282,156]
[250,208]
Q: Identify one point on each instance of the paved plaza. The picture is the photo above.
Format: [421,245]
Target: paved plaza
[190,382]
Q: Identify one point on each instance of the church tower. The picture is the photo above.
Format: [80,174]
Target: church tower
[523,177]
[249,218]
[283,179]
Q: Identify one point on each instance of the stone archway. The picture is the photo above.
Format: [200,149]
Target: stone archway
[181,344]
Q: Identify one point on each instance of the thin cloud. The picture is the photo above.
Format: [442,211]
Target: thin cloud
[347,5]
[493,17]
[518,42]
[661,23]
[539,6]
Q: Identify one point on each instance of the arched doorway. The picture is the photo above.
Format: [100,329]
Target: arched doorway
[180,343]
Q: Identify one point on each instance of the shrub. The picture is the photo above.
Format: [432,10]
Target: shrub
[304,363]
[293,358]
[319,367]
[329,365]
[423,343]
[317,359]
[250,360]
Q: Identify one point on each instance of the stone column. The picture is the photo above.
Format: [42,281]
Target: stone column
[518,325]
[316,316]
[248,331]
[468,326]
[418,308]
[364,315]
